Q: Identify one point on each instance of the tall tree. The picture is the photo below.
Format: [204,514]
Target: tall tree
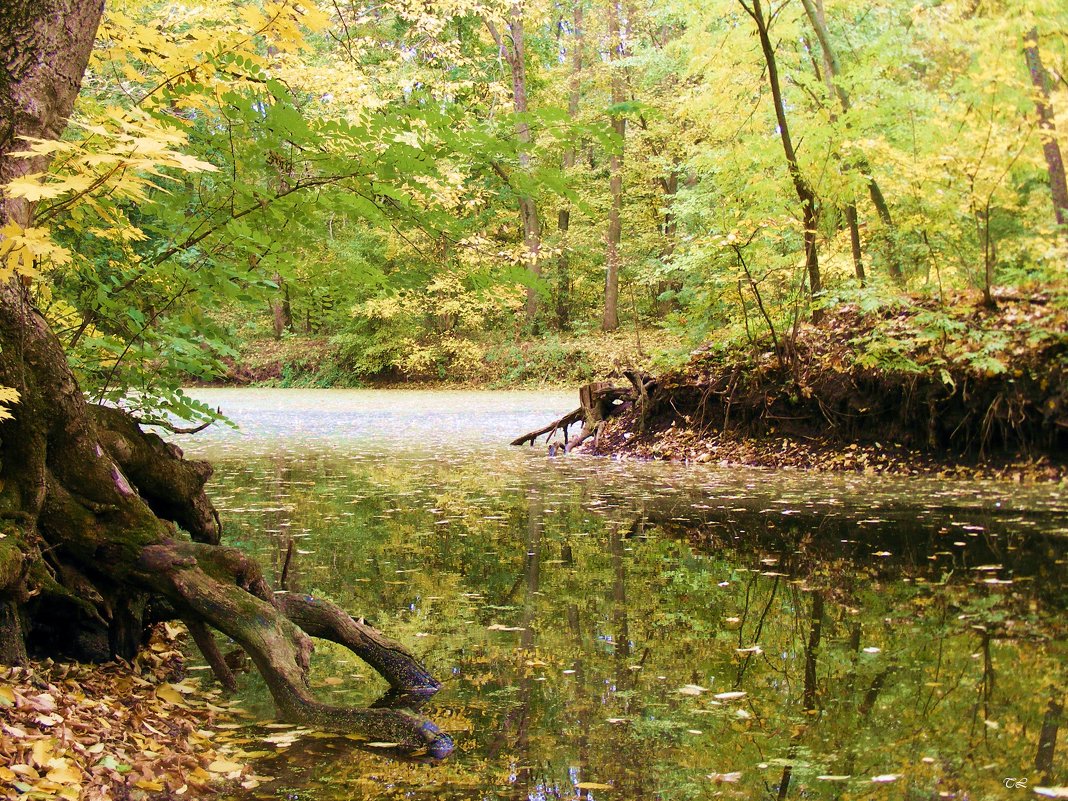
[802,187]
[1050,147]
[614,236]
[513,48]
[563,220]
[90,501]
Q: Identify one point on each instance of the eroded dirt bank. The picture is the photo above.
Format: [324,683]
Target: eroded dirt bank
[953,388]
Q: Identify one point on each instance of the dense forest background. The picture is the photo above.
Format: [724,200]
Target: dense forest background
[507,193]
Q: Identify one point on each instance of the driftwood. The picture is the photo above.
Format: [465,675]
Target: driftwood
[597,402]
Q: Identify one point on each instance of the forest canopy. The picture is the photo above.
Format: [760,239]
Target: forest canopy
[414,183]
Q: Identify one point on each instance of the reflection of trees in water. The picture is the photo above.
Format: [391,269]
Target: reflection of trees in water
[622,591]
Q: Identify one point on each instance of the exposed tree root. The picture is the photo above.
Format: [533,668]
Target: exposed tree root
[90,503]
[171,485]
[327,621]
[598,402]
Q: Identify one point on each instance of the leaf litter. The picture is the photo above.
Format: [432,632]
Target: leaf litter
[119,730]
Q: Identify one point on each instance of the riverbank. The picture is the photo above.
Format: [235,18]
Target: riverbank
[546,362]
[954,389]
[117,732]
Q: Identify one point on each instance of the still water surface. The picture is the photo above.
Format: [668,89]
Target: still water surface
[612,630]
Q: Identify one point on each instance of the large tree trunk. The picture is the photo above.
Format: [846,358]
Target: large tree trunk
[1050,148]
[610,320]
[88,502]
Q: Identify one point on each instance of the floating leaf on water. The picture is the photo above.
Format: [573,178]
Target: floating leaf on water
[885,778]
[726,778]
[729,696]
[692,689]
[1052,792]
[830,777]
[382,745]
[500,627]
[593,786]
[871,649]
[752,649]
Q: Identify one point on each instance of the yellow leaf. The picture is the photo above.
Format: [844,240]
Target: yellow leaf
[191,164]
[65,774]
[32,188]
[223,766]
[168,693]
[41,752]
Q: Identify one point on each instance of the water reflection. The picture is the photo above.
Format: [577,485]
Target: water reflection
[619,631]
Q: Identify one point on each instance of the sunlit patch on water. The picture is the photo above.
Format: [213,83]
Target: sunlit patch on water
[623,631]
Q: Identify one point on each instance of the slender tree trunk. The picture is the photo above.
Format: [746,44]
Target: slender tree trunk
[514,52]
[801,186]
[563,265]
[610,320]
[281,308]
[1047,735]
[669,227]
[832,69]
[1050,147]
[854,240]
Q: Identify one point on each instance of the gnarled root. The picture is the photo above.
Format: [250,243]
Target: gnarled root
[206,582]
[90,502]
[393,661]
[172,486]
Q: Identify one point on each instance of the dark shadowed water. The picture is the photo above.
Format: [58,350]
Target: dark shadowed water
[613,630]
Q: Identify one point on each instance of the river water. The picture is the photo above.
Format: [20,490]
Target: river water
[614,630]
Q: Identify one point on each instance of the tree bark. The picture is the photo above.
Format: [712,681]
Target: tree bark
[801,186]
[1047,735]
[614,237]
[88,502]
[1052,150]
[563,221]
[281,308]
[514,52]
